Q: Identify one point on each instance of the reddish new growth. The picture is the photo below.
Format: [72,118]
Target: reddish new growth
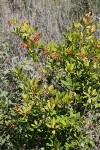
[69,51]
[88,21]
[10,23]
[24,22]
[46,51]
[89,14]
[52,54]
[98,46]
[55,55]
[17,109]
[25,44]
[88,17]
[36,38]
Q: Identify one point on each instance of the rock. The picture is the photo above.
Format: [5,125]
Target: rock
[51,16]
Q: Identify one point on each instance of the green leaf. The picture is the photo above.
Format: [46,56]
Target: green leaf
[97,105]
[65,83]
[53,132]
[89,100]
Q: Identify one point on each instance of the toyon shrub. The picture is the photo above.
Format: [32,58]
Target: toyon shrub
[58,109]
